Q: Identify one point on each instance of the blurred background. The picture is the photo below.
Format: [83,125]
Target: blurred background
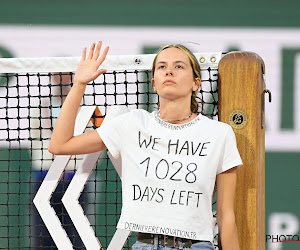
[270,28]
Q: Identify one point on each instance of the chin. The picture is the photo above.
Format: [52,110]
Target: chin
[170,95]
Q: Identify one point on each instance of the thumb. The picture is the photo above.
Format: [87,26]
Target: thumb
[99,72]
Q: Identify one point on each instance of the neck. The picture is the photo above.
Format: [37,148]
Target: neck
[174,111]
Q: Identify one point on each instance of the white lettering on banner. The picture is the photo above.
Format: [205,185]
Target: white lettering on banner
[160,230]
[41,41]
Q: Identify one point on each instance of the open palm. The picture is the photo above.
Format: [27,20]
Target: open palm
[87,69]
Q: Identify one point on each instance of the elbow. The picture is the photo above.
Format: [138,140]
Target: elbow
[54,149]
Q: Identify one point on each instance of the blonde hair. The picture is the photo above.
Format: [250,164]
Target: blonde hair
[195,66]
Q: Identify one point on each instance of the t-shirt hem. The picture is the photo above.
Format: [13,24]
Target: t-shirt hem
[228,166]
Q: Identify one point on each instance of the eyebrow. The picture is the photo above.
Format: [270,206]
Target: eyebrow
[174,62]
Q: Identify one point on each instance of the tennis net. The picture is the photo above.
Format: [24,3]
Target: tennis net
[32,92]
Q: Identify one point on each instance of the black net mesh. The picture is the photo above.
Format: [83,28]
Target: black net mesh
[29,106]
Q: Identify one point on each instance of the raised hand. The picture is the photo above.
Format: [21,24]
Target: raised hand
[87,69]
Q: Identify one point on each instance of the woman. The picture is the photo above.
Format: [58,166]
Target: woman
[171,158]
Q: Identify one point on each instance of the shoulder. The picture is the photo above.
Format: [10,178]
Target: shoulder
[215,128]
[122,113]
[139,114]
[215,125]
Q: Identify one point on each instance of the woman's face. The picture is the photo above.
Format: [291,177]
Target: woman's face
[173,76]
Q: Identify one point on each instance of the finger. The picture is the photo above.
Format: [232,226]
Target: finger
[97,52]
[103,56]
[92,51]
[83,54]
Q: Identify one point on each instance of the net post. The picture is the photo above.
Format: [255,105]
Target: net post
[241,104]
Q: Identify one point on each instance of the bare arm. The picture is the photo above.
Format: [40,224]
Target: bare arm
[226,184]
[62,141]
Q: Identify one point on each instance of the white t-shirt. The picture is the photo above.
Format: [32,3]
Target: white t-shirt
[169,171]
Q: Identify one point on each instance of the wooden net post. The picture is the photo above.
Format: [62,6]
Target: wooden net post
[241,104]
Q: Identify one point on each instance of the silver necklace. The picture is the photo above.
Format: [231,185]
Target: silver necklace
[179,120]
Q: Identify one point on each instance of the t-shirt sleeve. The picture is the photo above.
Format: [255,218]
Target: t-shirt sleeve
[112,134]
[231,157]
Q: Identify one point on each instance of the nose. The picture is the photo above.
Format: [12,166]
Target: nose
[169,72]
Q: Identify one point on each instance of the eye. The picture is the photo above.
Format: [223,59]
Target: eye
[161,67]
[179,66]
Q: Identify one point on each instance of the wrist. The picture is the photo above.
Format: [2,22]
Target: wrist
[80,85]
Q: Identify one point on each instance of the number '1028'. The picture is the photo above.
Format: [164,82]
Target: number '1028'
[162,170]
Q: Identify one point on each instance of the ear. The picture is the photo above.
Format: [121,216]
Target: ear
[153,85]
[197,84]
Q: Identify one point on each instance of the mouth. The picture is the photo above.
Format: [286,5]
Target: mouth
[168,82]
